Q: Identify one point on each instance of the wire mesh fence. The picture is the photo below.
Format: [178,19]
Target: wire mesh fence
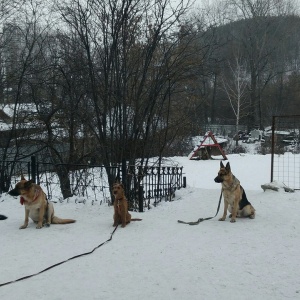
[285,166]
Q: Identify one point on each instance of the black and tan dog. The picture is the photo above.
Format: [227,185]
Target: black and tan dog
[235,200]
[37,207]
[121,214]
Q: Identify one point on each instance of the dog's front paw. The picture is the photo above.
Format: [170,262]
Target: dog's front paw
[23,226]
[232,221]
[222,219]
[47,224]
[39,226]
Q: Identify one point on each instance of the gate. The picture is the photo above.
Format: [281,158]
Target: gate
[285,160]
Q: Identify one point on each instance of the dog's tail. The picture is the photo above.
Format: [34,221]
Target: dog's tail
[56,220]
[136,219]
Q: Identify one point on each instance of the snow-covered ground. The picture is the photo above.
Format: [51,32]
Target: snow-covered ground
[158,258]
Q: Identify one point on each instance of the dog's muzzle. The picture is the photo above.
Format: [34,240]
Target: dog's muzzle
[14,192]
[218,179]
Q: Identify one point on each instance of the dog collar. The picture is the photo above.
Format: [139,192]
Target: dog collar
[22,200]
[36,195]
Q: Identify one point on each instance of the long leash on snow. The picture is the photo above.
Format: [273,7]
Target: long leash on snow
[62,262]
[203,219]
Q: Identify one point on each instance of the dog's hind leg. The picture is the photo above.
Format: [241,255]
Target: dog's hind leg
[252,215]
[128,218]
[248,211]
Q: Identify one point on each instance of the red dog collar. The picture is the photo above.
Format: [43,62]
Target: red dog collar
[37,193]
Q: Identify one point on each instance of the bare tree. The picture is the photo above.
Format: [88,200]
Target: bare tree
[131,58]
[21,42]
[235,86]
[23,39]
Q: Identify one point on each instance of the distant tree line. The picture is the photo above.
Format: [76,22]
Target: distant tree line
[111,81]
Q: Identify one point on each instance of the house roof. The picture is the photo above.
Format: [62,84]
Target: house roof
[4,117]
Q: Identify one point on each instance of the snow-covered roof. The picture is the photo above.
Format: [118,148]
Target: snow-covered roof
[9,108]
[4,126]
[197,140]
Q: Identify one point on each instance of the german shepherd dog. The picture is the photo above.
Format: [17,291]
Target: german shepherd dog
[235,200]
[37,207]
[121,214]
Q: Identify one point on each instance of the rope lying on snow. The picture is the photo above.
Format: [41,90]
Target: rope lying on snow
[62,262]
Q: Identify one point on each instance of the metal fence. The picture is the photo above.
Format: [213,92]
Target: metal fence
[285,162]
[145,186]
[153,185]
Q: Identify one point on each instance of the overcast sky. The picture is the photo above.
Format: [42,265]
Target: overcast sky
[199,3]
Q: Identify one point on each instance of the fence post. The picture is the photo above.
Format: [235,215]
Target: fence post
[272,147]
[1,180]
[33,168]
[124,172]
[141,196]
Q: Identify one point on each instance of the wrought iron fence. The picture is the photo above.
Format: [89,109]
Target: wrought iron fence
[153,185]
[145,186]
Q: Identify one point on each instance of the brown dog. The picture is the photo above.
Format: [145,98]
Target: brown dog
[121,214]
[36,204]
[235,199]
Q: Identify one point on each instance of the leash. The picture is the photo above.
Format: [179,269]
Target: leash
[62,262]
[203,219]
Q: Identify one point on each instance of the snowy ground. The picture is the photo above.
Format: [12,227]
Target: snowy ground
[158,258]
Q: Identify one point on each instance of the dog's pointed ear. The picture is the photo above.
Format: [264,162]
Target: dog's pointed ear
[221,165]
[22,177]
[227,167]
[28,184]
